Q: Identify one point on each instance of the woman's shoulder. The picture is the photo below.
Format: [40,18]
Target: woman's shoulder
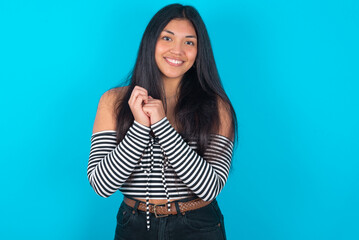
[111,95]
[226,119]
[223,106]
[106,110]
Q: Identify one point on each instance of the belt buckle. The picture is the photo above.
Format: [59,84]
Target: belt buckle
[157,215]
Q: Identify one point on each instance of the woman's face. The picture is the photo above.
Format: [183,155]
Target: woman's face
[176,49]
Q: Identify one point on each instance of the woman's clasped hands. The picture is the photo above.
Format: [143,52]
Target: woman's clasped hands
[145,109]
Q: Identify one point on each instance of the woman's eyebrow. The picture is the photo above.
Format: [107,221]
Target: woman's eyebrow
[189,36]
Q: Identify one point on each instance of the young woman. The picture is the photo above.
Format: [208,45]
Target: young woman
[166,139]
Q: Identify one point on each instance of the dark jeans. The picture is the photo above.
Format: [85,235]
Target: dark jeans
[204,223]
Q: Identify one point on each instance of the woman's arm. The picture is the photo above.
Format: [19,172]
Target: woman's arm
[110,164]
[205,176]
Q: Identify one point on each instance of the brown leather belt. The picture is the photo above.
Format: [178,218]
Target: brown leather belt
[161,210]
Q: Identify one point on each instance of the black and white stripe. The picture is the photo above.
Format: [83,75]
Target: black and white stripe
[187,173]
[109,165]
[204,176]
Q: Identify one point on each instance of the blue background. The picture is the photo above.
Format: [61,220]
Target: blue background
[290,69]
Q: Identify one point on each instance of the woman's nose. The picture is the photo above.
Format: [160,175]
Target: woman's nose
[176,48]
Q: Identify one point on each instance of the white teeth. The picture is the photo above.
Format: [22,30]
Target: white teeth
[174,61]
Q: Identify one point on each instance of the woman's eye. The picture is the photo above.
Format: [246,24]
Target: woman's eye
[190,43]
[166,38]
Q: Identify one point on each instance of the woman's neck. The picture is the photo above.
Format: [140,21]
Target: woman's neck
[171,88]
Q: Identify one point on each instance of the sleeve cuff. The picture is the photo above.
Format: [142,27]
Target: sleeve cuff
[142,126]
[163,130]
[139,131]
[155,125]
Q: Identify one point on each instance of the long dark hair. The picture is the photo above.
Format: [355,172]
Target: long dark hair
[196,111]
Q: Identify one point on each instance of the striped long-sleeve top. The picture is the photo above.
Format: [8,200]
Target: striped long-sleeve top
[160,167]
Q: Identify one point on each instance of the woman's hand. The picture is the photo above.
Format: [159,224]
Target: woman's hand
[138,98]
[154,109]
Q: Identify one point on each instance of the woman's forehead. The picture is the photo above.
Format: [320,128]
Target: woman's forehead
[181,27]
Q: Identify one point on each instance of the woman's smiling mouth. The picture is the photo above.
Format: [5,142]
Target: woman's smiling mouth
[173,62]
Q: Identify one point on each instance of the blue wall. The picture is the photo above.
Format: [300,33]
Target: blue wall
[289,67]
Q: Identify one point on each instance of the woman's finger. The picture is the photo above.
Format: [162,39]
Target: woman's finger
[139,99]
[135,94]
[139,89]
